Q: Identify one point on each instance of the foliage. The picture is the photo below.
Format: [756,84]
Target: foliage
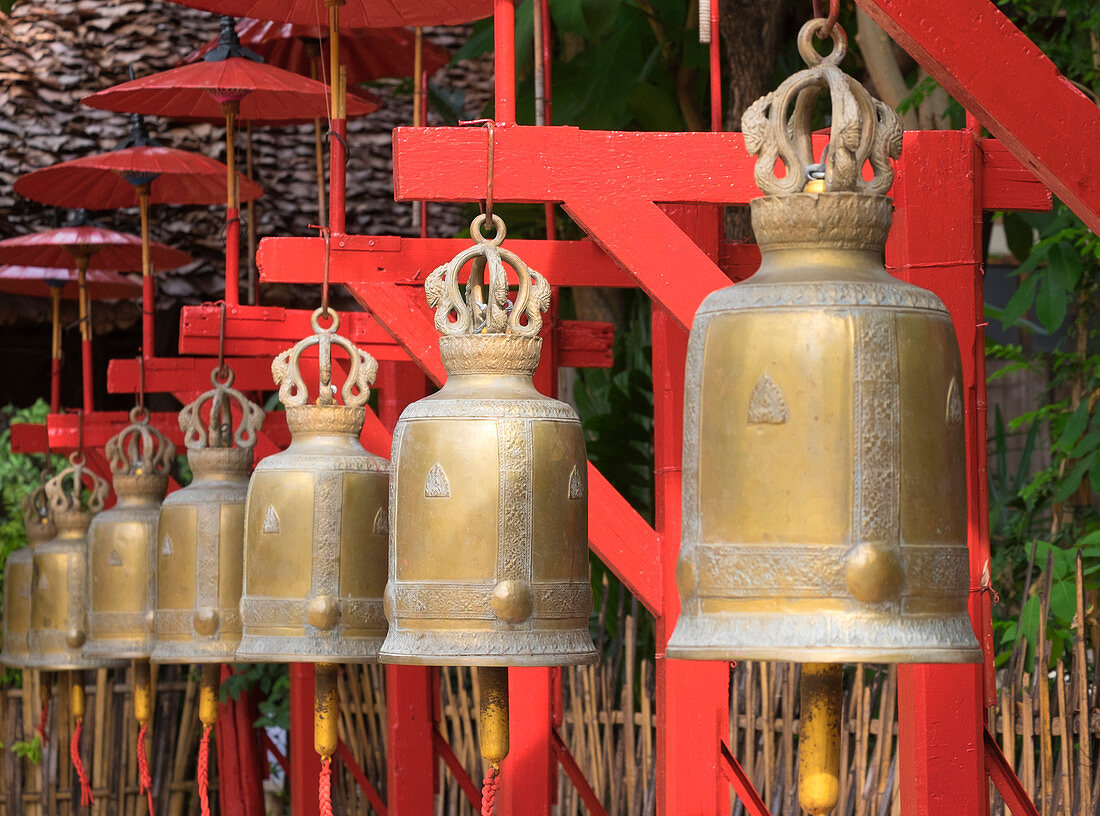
[30,750]
[618,64]
[1044,516]
[272,683]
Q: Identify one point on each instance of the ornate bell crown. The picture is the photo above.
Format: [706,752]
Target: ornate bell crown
[354,393]
[215,440]
[864,132]
[37,517]
[140,457]
[486,313]
[72,508]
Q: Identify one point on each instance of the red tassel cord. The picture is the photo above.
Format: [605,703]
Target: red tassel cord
[86,798]
[324,787]
[489,788]
[201,771]
[42,720]
[146,778]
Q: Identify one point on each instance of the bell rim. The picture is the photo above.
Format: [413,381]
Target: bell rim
[519,659]
[358,650]
[45,663]
[186,653]
[110,650]
[828,654]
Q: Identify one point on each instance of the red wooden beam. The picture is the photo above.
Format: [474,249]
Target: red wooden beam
[27,438]
[262,332]
[742,785]
[361,778]
[536,164]
[975,52]
[393,259]
[64,430]
[181,375]
[576,775]
[1008,784]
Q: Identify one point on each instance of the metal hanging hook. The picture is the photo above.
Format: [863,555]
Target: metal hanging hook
[489,124]
[327,236]
[830,21]
[222,371]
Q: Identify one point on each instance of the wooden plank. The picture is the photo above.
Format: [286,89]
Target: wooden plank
[393,259]
[175,375]
[975,52]
[540,164]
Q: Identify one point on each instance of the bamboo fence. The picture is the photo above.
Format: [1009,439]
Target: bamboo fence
[1047,724]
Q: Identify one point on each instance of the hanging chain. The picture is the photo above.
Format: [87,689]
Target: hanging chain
[487,203]
[834,13]
[140,412]
[222,370]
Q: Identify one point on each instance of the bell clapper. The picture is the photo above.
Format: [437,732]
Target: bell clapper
[493,706]
[326,713]
[143,713]
[208,715]
[76,703]
[819,737]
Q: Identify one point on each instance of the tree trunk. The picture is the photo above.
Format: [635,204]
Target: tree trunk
[751,36]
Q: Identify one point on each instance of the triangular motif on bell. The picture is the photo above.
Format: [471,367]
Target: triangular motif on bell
[381,522]
[576,484]
[166,547]
[954,403]
[271,520]
[43,584]
[114,559]
[436,485]
[766,405]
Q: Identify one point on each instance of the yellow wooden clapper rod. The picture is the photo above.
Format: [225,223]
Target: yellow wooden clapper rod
[819,737]
[493,681]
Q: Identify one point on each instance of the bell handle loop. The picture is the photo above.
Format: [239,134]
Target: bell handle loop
[362,369]
[139,415]
[77,459]
[219,431]
[330,314]
[226,372]
[477,229]
[819,28]
[64,501]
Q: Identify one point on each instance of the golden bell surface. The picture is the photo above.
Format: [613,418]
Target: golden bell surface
[59,574]
[824,492]
[488,501]
[17,577]
[200,532]
[122,543]
[316,521]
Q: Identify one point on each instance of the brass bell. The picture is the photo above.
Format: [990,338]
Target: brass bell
[122,543]
[200,533]
[488,561]
[40,526]
[824,493]
[316,520]
[59,606]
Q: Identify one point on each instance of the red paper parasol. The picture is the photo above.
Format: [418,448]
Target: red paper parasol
[230,83]
[367,53]
[37,281]
[86,247]
[141,174]
[353,13]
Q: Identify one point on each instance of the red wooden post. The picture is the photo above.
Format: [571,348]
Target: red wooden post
[240,763]
[305,764]
[410,760]
[936,243]
[526,773]
[692,696]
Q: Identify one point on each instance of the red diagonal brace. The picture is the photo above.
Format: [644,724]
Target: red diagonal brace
[1008,784]
[361,779]
[451,761]
[575,774]
[975,52]
[742,785]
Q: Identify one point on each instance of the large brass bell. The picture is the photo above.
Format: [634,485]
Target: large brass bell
[40,527]
[200,534]
[122,543]
[59,606]
[824,492]
[824,497]
[316,520]
[488,500]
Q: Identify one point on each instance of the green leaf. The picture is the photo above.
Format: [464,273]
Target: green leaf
[1019,235]
[1073,481]
[1074,427]
[1066,265]
[1020,302]
[1051,303]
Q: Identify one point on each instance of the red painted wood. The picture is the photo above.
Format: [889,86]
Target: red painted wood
[232,256]
[240,777]
[361,778]
[393,259]
[86,382]
[975,52]
[692,696]
[536,164]
[1008,784]
[171,375]
[941,708]
[742,785]
[305,764]
[526,773]
[504,60]
[624,541]
[409,758]
[469,789]
[576,775]
[63,430]
[27,438]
